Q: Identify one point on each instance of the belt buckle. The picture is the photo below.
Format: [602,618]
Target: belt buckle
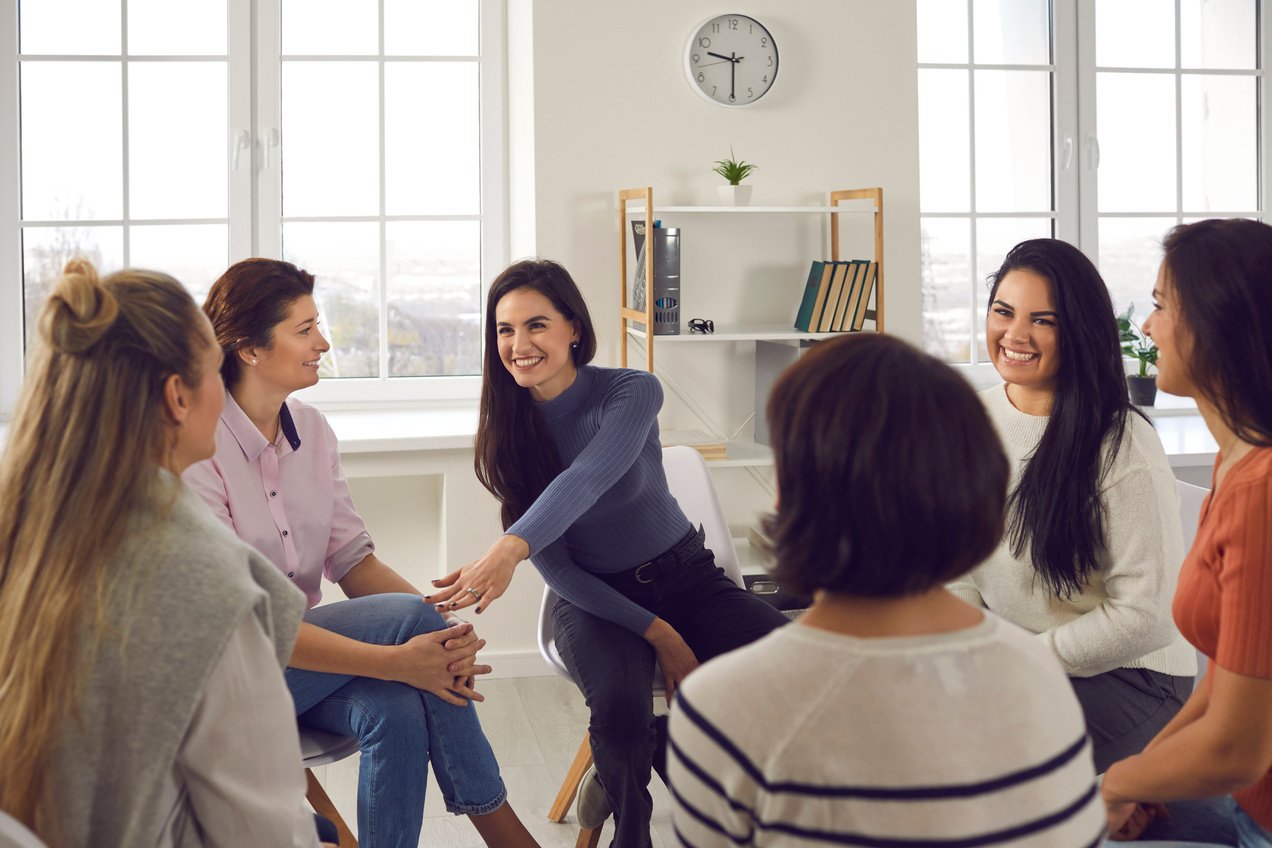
[641,568]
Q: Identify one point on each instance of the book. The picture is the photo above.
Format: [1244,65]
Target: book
[837,278]
[803,319]
[711,447]
[761,544]
[859,314]
[839,323]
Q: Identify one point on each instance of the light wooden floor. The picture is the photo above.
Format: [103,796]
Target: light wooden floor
[534,725]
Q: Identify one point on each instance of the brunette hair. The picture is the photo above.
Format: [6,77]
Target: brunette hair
[89,435]
[1221,273]
[890,477]
[248,302]
[1055,512]
[516,457]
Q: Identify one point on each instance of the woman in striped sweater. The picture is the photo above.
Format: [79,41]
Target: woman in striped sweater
[892,713]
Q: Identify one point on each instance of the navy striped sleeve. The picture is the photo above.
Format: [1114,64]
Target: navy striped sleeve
[628,411]
[588,592]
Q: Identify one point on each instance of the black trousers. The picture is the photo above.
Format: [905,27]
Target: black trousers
[615,671]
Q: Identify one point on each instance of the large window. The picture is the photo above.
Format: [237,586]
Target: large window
[1102,122]
[360,139]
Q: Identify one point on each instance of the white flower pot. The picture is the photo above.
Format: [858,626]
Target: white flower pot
[735,195]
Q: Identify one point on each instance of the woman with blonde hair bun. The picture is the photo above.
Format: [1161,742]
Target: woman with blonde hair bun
[142,699]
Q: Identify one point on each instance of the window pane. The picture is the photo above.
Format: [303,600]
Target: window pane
[1218,33]
[430,27]
[944,164]
[1013,141]
[427,171]
[1012,32]
[178,132]
[942,30]
[1130,253]
[196,254]
[946,252]
[1220,143]
[346,260]
[994,237]
[168,28]
[1135,33]
[330,27]
[45,252]
[434,295]
[331,139]
[68,27]
[72,167]
[1136,118]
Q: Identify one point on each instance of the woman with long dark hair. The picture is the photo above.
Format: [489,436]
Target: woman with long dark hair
[1093,541]
[572,453]
[1213,308]
[382,665]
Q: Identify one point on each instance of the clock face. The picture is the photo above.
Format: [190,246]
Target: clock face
[731,60]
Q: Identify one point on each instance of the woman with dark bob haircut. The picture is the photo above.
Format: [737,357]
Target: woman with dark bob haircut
[1093,542]
[1213,308]
[382,665]
[891,712]
[572,453]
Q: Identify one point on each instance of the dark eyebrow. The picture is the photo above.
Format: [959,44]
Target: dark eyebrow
[306,321]
[1157,295]
[1032,314]
[527,321]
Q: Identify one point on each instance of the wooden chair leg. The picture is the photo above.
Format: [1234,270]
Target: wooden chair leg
[588,838]
[317,798]
[573,777]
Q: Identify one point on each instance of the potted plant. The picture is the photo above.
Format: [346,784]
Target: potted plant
[735,171]
[1136,345]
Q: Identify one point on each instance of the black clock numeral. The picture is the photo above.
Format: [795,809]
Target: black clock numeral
[769,65]
[704,42]
[698,58]
[764,42]
[715,27]
[713,90]
[750,93]
[764,79]
[732,98]
[702,77]
[733,24]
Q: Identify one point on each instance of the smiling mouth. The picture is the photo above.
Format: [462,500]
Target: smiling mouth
[1019,357]
[313,363]
[527,361]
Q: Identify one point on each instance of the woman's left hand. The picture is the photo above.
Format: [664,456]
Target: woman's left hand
[483,580]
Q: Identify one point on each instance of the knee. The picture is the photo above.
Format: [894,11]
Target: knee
[621,716]
[414,615]
[389,712]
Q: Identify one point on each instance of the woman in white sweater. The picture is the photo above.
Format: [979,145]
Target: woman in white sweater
[1093,543]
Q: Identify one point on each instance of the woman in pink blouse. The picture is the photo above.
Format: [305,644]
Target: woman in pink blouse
[383,665]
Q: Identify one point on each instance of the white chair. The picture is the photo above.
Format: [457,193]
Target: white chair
[320,748]
[1191,499]
[690,484]
[14,834]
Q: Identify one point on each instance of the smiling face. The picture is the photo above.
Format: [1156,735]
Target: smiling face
[1022,332]
[534,343]
[291,362]
[1165,328]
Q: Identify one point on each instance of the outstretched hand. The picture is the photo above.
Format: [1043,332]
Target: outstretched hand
[483,580]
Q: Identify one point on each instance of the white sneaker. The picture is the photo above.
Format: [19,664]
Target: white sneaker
[592,807]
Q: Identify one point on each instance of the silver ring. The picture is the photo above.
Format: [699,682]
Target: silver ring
[474,593]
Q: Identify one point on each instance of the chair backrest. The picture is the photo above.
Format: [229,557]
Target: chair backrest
[14,834]
[689,480]
[1191,499]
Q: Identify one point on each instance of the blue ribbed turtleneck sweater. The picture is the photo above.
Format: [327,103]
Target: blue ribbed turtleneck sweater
[610,509]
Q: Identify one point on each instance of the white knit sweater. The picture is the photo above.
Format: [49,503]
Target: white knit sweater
[1123,618]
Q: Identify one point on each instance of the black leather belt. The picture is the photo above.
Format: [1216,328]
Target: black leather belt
[680,554]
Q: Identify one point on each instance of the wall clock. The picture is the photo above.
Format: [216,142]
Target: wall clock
[731,60]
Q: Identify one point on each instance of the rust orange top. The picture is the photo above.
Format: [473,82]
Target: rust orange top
[1223,604]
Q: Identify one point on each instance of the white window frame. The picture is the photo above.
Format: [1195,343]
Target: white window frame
[254,201]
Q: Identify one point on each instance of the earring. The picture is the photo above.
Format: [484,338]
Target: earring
[253,360]
[574,345]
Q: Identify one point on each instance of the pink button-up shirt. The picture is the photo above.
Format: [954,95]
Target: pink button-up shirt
[290,500]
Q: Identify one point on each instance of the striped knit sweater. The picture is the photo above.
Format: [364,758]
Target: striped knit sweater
[610,509]
[813,738]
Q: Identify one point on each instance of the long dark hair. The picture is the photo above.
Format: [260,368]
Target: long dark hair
[1221,272]
[1055,510]
[247,302]
[516,457]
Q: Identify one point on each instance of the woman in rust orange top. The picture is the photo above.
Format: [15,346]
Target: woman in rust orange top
[1213,313]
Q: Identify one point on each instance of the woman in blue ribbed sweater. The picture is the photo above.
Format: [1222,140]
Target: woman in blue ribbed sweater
[572,453]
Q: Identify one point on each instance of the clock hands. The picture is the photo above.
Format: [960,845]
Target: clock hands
[733,70]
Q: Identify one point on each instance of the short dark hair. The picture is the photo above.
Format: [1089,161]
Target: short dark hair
[248,301]
[891,479]
[1221,273]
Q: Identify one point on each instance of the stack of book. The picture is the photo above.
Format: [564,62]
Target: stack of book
[836,296]
[704,443]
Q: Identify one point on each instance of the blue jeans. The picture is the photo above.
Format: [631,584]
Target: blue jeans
[1250,834]
[399,728]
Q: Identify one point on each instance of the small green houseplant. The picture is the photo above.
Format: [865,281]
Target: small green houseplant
[1136,345]
[734,171]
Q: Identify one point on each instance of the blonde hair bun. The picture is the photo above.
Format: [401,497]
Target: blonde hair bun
[79,311]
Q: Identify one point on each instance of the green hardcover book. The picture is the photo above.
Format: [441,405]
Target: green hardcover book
[804,318]
[838,278]
[859,314]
